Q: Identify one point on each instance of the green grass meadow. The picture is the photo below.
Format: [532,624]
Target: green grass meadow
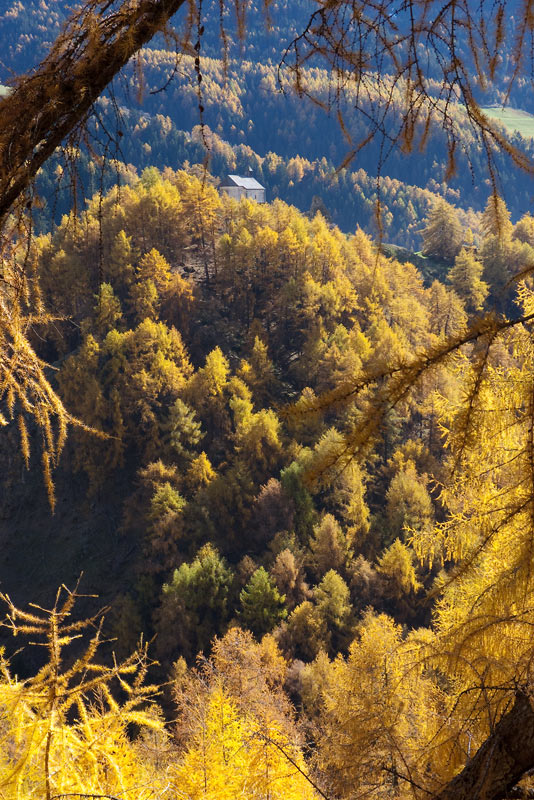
[513,119]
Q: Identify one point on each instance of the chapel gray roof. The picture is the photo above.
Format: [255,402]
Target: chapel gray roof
[245,183]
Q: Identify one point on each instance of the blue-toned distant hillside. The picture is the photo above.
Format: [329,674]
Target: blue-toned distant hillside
[28,28]
[245,108]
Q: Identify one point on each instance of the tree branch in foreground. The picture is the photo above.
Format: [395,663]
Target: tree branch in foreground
[48,104]
[502,760]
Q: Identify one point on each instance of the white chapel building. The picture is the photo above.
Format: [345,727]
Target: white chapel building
[238,187]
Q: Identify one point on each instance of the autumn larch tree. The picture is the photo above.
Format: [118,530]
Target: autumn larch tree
[442,234]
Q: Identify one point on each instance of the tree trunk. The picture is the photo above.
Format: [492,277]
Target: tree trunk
[48,104]
[502,760]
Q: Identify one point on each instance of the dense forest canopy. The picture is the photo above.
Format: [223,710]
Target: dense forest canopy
[298,461]
[220,527]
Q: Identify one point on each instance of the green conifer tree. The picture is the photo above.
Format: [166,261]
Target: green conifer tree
[332,598]
[194,605]
[262,605]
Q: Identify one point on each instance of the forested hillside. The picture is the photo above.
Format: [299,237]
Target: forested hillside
[248,106]
[278,457]
[295,148]
[195,332]
[191,321]
[28,29]
[186,324]
[347,198]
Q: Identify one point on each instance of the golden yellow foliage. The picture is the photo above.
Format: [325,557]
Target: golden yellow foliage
[62,730]
[240,740]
